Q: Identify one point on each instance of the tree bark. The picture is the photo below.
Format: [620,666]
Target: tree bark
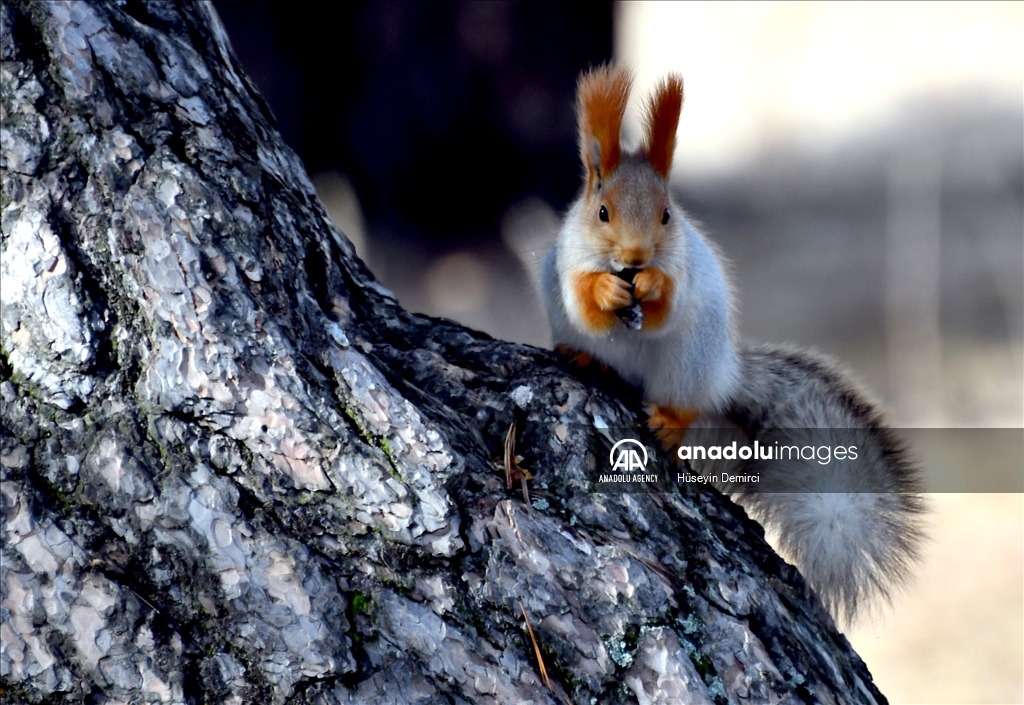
[235,470]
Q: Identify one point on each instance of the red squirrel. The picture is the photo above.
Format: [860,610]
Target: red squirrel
[631,283]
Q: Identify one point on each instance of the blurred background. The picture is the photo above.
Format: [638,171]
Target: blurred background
[860,164]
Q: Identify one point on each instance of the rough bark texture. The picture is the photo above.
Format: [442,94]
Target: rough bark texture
[234,470]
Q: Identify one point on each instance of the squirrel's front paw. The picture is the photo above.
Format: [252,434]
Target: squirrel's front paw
[598,296]
[649,284]
[611,293]
[654,290]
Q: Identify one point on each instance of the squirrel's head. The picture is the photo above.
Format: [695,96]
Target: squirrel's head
[625,194]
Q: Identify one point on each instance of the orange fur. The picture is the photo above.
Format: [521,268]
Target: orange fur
[610,292]
[669,424]
[603,93]
[599,294]
[654,290]
[662,121]
[579,358]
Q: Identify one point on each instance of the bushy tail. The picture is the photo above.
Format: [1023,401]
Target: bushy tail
[849,519]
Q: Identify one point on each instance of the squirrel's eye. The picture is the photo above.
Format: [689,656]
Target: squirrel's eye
[603,214]
[664,217]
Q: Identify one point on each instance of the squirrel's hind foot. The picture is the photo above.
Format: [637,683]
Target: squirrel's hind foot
[670,424]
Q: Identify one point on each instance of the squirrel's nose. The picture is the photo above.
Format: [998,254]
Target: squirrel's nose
[635,256]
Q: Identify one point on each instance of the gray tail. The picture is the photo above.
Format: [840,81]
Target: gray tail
[852,524]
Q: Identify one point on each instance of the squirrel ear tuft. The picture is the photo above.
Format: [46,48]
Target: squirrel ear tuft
[662,120]
[602,94]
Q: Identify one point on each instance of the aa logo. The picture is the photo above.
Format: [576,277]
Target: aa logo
[626,458]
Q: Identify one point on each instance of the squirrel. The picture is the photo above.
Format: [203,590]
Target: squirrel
[631,283]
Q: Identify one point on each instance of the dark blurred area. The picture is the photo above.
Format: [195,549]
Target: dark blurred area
[439,113]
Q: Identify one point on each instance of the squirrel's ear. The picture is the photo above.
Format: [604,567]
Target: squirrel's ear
[662,120]
[602,94]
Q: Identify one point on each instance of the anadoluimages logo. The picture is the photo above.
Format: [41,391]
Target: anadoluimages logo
[626,459]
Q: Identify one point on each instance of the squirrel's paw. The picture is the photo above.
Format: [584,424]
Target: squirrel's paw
[611,293]
[598,296]
[654,290]
[580,358]
[669,424]
[649,284]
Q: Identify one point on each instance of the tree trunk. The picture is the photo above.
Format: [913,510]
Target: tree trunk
[235,470]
